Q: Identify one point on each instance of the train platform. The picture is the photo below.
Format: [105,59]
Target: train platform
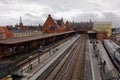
[92,67]
[110,71]
[88,70]
[46,60]
[98,65]
[104,55]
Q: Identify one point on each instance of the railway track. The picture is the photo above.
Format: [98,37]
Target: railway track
[18,64]
[46,48]
[78,73]
[71,66]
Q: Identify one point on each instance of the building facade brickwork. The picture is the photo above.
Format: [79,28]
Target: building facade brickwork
[5,33]
[53,26]
[68,26]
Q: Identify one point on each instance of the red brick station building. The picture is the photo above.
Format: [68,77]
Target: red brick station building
[15,49]
[55,26]
[53,30]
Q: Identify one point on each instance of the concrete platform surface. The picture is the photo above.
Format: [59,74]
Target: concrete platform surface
[46,60]
[105,56]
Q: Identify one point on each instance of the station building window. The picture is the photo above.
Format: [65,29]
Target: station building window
[8,50]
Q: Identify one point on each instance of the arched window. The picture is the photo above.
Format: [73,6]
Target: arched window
[52,28]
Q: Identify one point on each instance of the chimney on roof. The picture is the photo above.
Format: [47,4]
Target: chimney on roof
[62,18]
[49,15]
[90,20]
[73,20]
[67,21]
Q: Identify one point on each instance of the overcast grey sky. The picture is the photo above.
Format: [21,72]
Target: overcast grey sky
[36,11]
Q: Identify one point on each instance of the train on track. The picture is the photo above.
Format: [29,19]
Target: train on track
[114,52]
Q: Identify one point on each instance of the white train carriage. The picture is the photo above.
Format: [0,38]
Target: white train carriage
[110,48]
[114,52]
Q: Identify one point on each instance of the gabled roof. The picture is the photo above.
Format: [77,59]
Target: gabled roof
[58,22]
[21,31]
[102,22]
[82,24]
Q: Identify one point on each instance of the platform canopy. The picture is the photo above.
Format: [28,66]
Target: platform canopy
[90,32]
[31,38]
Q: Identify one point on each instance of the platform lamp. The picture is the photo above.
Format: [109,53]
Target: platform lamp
[29,60]
[114,53]
[39,57]
[39,53]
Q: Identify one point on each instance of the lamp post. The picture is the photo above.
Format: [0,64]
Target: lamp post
[39,53]
[39,57]
[29,61]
